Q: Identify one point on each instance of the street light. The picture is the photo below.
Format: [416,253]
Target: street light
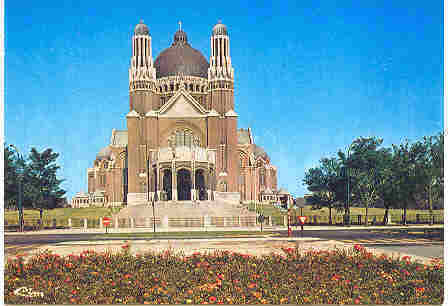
[142,175]
[20,195]
[154,198]
[347,203]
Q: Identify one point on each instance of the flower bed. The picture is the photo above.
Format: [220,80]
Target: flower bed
[314,277]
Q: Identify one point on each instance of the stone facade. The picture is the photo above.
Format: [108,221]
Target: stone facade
[182,140]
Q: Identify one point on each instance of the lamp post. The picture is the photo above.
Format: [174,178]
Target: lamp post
[154,198]
[347,203]
[20,192]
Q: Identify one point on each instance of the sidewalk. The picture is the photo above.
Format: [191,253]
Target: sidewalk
[252,246]
[220,229]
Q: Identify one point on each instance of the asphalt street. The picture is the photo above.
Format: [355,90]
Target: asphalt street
[386,240]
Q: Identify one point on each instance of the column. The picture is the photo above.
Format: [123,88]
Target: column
[173,181]
[193,181]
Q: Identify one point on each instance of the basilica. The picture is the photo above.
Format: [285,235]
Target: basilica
[182,141]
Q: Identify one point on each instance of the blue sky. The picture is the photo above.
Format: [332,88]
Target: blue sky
[310,76]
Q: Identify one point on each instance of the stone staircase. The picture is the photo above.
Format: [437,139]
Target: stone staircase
[185,209]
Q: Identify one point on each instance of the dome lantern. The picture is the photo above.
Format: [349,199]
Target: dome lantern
[219,29]
[141,29]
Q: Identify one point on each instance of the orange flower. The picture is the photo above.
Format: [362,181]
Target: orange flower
[358,247]
[420,290]
[252,285]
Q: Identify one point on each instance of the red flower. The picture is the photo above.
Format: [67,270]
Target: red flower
[358,247]
[357,301]
[74,291]
[126,246]
[212,299]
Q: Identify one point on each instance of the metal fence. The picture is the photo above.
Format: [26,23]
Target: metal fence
[215,221]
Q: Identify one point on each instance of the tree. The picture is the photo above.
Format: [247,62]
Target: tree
[363,165]
[408,176]
[429,167]
[386,177]
[11,177]
[327,185]
[43,187]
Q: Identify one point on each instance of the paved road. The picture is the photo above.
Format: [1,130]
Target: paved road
[391,240]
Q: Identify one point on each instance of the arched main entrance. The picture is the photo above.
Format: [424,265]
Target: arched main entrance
[201,189]
[167,185]
[183,185]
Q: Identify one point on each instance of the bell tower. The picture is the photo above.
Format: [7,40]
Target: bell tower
[142,74]
[221,97]
[220,72]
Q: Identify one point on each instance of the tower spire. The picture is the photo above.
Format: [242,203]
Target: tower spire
[180,25]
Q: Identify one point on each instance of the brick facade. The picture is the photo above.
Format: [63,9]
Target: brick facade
[181,130]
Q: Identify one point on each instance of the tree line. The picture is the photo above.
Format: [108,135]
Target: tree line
[37,175]
[409,175]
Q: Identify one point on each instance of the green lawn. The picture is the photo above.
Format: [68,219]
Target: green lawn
[270,210]
[59,213]
[11,217]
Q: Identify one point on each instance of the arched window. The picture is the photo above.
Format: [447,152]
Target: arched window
[185,138]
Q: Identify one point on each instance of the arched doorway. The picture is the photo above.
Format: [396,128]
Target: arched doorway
[201,189]
[167,184]
[183,185]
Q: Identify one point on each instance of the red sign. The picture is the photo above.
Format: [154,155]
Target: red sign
[106,221]
[302,219]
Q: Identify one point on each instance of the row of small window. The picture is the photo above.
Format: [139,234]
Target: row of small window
[190,87]
[172,87]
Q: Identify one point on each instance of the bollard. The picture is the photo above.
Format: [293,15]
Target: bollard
[101,222]
[116,222]
[132,222]
[225,221]
[270,220]
[239,221]
[69,223]
[285,220]
[85,223]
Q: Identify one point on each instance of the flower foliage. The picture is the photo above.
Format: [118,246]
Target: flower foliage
[339,276]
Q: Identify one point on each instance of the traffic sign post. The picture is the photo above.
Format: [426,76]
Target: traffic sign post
[302,220]
[106,222]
